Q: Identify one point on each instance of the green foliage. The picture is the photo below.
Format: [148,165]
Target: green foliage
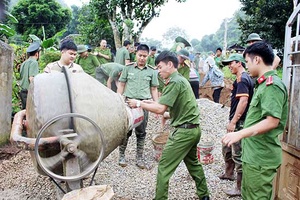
[94,27]
[33,14]
[5,17]
[48,57]
[116,11]
[170,35]
[228,74]
[267,18]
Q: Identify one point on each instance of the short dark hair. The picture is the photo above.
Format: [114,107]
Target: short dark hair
[136,44]
[68,45]
[143,47]
[261,49]
[166,56]
[126,42]
[219,49]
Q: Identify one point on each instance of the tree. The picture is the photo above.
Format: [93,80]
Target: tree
[93,27]
[72,26]
[170,35]
[267,18]
[35,14]
[128,18]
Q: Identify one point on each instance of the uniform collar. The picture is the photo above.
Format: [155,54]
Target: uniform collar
[265,76]
[170,77]
[135,65]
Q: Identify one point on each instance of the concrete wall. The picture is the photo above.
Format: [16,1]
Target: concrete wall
[6,74]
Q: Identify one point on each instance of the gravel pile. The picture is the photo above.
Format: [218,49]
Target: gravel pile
[18,179]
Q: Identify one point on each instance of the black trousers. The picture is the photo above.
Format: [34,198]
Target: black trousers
[217,94]
[23,96]
[195,87]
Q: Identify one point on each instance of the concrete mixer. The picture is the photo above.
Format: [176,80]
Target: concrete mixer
[72,123]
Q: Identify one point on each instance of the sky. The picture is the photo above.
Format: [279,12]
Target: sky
[196,17]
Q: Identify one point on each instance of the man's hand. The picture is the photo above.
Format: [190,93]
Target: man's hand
[231,138]
[133,103]
[230,127]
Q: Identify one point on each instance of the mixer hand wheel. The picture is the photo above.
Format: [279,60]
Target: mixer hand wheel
[81,147]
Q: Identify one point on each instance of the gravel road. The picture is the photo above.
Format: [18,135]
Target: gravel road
[18,179]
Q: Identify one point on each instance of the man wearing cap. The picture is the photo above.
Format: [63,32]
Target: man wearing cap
[241,95]
[86,60]
[184,63]
[138,81]
[103,53]
[29,69]
[68,51]
[122,54]
[254,37]
[151,57]
[265,121]
[180,43]
[108,74]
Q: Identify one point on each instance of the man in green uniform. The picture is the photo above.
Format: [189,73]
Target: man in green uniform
[151,57]
[265,121]
[218,58]
[178,97]
[29,69]
[184,63]
[108,74]
[254,37]
[241,95]
[103,53]
[180,43]
[122,54]
[138,81]
[86,60]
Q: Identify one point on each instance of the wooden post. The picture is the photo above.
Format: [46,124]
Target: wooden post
[6,74]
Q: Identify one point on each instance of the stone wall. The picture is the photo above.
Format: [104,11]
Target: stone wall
[6,74]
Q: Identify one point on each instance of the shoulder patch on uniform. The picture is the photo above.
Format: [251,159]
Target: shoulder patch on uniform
[269,80]
[132,63]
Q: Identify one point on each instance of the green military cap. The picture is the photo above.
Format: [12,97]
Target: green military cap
[33,47]
[182,40]
[253,37]
[183,53]
[234,57]
[81,48]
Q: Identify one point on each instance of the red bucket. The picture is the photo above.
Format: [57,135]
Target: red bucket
[204,152]
[159,140]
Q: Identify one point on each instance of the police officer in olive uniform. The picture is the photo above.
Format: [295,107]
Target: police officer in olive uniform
[29,69]
[86,60]
[180,43]
[265,121]
[178,97]
[184,63]
[138,81]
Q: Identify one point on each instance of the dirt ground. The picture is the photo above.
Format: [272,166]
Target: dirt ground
[8,151]
[206,92]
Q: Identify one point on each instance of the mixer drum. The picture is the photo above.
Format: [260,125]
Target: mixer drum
[48,97]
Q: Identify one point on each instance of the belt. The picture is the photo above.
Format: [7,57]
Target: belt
[188,126]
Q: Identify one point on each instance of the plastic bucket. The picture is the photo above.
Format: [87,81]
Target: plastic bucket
[204,152]
[159,140]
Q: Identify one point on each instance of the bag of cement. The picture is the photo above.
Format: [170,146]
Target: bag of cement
[96,192]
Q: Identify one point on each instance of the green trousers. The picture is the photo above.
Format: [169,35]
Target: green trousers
[257,182]
[181,145]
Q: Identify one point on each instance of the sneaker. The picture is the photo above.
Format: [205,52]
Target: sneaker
[122,162]
[140,163]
